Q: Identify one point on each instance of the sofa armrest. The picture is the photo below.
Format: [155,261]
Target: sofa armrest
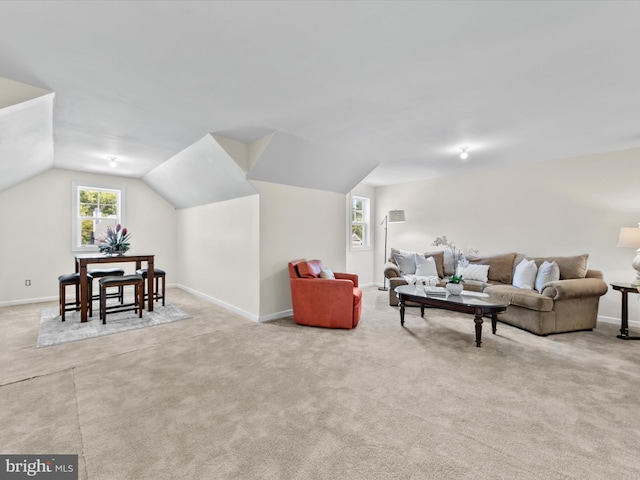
[575,288]
[391,270]
[347,276]
[595,274]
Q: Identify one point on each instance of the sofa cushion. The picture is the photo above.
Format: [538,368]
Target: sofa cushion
[475,272]
[525,274]
[439,259]
[425,266]
[406,261]
[521,297]
[547,272]
[570,267]
[500,266]
[310,269]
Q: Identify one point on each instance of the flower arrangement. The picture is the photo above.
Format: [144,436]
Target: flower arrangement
[459,257]
[116,241]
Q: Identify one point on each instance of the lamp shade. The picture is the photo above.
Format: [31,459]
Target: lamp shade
[397,216]
[629,237]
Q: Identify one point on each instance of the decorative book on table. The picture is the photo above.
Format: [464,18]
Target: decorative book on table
[435,291]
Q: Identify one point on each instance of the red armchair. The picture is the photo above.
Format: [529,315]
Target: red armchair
[323,302]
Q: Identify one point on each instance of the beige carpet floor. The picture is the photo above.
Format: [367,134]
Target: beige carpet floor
[220,397]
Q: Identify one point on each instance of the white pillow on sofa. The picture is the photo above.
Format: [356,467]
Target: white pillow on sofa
[548,272]
[525,274]
[425,267]
[406,262]
[475,271]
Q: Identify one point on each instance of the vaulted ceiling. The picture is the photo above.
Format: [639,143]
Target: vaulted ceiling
[197,97]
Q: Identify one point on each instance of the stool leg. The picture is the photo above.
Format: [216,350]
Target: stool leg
[90,297]
[62,300]
[163,288]
[103,304]
[140,293]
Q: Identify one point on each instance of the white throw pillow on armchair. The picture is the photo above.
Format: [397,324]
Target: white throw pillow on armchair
[525,274]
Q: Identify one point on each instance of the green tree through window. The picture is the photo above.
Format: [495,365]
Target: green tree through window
[97,210]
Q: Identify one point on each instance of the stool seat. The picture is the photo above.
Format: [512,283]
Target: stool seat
[116,281]
[72,278]
[157,272]
[105,272]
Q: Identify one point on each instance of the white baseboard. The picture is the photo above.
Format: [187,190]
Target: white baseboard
[234,309]
[617,321]
[28,300]
[276,316]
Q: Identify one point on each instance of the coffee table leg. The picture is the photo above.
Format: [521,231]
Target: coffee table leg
[422,311]
[494,323]
[401,305]
[478,320]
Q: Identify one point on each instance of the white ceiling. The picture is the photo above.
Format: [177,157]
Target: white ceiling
[392,88]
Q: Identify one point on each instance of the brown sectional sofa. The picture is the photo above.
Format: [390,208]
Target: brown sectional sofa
[566,305]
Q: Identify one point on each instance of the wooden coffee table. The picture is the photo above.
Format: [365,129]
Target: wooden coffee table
[477,305]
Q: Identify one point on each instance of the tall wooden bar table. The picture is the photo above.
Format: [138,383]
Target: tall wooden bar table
[84,259]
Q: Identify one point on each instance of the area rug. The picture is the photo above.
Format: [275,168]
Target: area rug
[54,332]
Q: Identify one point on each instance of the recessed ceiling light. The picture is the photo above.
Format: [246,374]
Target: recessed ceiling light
[112,162]
[463,153]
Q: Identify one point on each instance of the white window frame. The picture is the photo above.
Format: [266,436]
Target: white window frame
[366,223]
[76,221]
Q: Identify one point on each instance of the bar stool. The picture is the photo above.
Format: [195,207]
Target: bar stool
[121,281]
[107,272]
[68,280]
[157,275]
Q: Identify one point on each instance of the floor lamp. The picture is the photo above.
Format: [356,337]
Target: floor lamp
[394,216]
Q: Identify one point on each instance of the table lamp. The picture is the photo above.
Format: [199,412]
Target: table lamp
[630,238]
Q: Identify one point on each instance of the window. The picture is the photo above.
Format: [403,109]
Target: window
[360,223]
[95,209]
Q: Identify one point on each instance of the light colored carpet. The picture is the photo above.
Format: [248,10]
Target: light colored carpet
[217,396]
[53,331]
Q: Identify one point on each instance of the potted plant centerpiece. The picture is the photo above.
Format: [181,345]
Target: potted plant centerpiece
[116,241]
[455,282]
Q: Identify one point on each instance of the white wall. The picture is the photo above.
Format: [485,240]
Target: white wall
[560,207]
[296,223]
[361,262]
[35,239]
[219,253]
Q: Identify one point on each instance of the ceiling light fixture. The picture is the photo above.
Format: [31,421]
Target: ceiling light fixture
[463,153]
[112,162]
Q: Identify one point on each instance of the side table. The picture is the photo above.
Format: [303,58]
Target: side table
[625,289]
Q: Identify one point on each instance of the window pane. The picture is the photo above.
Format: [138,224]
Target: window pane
[86,209]
[108,210]
[108,198]
[87,237]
